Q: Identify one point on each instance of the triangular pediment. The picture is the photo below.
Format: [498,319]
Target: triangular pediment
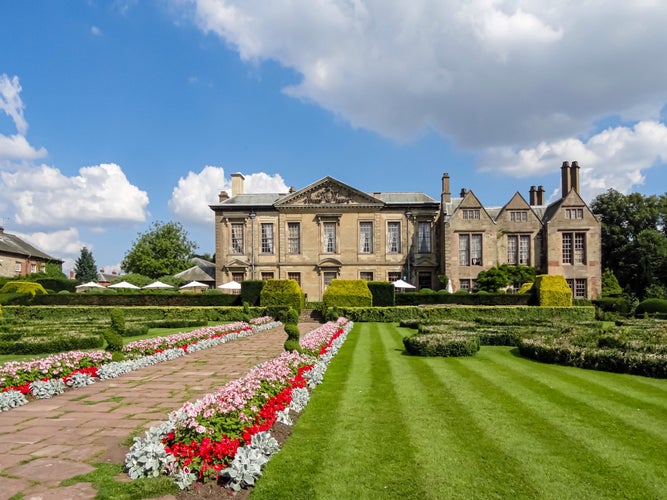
[237,263]
[328,192]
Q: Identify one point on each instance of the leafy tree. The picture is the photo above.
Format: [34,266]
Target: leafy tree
[135,279]
[85,268]
[504,275]
[634,239]
[163,250]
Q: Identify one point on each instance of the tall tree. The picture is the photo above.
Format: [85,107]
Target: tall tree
[165,249]
[634,238]
[85,268]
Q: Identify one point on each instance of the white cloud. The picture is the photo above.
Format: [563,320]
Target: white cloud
[58,244]
[482,72]
[11,103]
[43,197]
[96,31]
[190,199]
[614,158]
[16,148]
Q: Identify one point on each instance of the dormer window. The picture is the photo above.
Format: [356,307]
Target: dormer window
[574,213]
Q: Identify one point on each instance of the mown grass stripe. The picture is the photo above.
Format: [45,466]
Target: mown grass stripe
[461,460]
[567,431]
[607,394]
[368,426]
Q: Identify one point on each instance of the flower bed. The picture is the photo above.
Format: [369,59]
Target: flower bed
[226,434]
[47,377]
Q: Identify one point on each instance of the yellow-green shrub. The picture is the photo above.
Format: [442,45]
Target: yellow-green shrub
[552,291]
[347,293]
[23,287]
[525,288]
[282,293]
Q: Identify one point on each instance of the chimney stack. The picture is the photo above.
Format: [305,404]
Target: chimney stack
[565,178]
[464,192]
[446,196]
[540,195]
[292,189]
[533,196]
[237,184]
[223,196]
[574,176]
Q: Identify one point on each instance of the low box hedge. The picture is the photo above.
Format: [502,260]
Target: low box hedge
[344,293]
[451,344]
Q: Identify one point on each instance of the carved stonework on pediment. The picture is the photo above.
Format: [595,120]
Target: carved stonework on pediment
[330,193]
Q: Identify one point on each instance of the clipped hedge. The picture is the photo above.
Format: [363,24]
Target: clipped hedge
[251,291]
[383,293]
[618,305]
[138,299]
[344,293]
[60,343]
[282,293]
[442,344]
[462,298]
[552,290]
[651,307]
[520,315]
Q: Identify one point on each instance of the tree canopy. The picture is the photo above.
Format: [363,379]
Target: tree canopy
[504,275]
[165,249]
[85,268]
[634,240]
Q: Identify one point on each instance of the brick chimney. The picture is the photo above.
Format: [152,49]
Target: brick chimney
[463,192]
[540,195]
[237,184]
[446,195]
[222,196]
[533,196]
[574,176]
[565,179]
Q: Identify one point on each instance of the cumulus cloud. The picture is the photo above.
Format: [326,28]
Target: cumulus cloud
[482,72]
[56,243]
[11,102]
[190,199]
[43,197]
[615,157]
[17,148]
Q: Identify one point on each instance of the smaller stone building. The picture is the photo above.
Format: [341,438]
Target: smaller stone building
[19,258]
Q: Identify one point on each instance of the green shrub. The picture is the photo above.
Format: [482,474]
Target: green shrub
[552,291]
[426,291]
[343,293]
[288,316]
[525,288]
[292,331]
[651,307]
[57,285]
[138,330]
[282,293]
[292,345]
[618,305]
[442,344]
[251,291]
[113,339]
[46,345]
[117,321]
[23,287]
[462,298]
[382,292]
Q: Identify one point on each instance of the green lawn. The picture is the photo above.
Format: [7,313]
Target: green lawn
[387,425]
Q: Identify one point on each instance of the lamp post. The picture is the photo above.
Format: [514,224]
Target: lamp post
[408,216]
[252,244]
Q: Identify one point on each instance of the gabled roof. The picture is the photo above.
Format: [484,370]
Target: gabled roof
[12,244]
[202,270]
[571,198]
[471,201]
[518,202]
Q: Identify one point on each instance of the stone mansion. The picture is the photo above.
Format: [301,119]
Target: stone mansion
[331,230]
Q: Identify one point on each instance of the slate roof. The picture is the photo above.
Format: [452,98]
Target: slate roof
[12,244]
[202,270]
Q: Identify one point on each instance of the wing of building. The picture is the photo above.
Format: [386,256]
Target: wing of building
[18,258]
[331,230]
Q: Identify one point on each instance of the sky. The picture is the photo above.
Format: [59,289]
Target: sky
[118,114]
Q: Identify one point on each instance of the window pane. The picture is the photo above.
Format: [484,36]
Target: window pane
[294,237]
[424,279]
[294,276]
[524,250]
[424,240]
[393,276]
[366,237]
[464,249]
[267,276]
[238,277]
[330,237]
[365,275]
[328,276]
[512,250]
[476,249]
[237,238]
[267,238]
[579,248]
[394,237]
[567,248]
[580,288]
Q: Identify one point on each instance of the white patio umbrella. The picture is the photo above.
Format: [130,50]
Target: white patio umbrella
[124,284]
[194,286]
[87,286]
[231,287]
[402,284]
[157,284]
[450,288]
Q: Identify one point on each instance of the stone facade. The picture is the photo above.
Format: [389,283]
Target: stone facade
[331,230]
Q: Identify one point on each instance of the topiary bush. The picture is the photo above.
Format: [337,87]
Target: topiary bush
[442,344]
[117,321]
[347,293]
[382,292]
[651,307]
[552,290]
[251,291]
[113,339]
[282,293]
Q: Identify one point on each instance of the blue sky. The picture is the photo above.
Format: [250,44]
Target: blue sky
[117,114]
